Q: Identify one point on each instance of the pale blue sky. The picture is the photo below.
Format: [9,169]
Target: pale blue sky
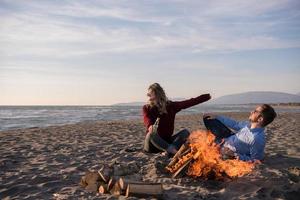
[105,52]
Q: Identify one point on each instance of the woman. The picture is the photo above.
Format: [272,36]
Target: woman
[160,107]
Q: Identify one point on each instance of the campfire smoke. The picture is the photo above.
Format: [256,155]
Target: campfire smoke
[203,158]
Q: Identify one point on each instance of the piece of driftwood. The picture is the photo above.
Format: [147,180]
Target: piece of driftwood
[144,190]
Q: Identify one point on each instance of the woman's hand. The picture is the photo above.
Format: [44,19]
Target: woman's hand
[206,96]
[150,129]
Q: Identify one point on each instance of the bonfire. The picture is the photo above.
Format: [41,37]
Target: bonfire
[202,158]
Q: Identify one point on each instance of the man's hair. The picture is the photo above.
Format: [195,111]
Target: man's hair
[268,114]
[162,99]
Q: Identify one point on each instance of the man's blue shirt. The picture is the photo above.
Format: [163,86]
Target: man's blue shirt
[248,144]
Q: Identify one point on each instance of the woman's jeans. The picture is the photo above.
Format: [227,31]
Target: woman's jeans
[217,128]
[154,143]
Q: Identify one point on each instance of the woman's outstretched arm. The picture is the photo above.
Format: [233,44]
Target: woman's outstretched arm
[179,105]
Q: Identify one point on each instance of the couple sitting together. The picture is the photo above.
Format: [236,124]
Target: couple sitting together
[238,140]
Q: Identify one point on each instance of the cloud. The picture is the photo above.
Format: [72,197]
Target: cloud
[81,28]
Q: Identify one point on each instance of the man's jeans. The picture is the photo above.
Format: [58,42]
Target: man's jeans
[154,143]
[217,128]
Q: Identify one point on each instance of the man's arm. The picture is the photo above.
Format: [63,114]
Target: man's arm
[179,105]
[235,125]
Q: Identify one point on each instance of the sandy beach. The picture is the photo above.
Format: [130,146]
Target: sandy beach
[47,163]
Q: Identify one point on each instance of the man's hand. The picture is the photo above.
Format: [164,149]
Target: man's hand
[210,116]
[227,153]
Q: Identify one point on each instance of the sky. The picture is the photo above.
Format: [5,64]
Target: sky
[56,52]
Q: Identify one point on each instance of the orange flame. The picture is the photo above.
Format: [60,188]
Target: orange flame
[208,161]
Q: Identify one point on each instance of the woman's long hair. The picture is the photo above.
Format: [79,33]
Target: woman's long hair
[161,98]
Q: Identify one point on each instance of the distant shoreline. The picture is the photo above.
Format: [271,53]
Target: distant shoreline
[136,105]
[285,104]
[128,120]
[12,117]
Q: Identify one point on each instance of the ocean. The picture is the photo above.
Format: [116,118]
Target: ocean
[15,117]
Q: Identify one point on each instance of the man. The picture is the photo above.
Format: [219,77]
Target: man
[248,141]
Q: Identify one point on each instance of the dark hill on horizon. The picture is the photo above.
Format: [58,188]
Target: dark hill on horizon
[254,97]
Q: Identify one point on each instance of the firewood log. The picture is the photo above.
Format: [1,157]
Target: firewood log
[182,167]
[123,182]
[180,163]
[144,190]
[112,181]
[116,190]
[196,155]
[83,182]
[102,189]
[92,187]
[188,150]
[91,177]
[183,148]
[105,173]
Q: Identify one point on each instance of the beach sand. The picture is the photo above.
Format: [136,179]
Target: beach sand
[47,163]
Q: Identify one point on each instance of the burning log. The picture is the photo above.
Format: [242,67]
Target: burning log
[178,154]
[181,168]
[182,160]
[202,157]
[185,164]
[142,190]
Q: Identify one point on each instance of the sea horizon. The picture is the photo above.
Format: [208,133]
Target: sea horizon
[18,117]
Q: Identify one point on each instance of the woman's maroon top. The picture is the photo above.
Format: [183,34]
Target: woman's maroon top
[166,123]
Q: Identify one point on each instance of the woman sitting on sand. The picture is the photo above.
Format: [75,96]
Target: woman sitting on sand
[159,107]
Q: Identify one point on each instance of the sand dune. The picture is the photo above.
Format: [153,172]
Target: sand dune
[47,163]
